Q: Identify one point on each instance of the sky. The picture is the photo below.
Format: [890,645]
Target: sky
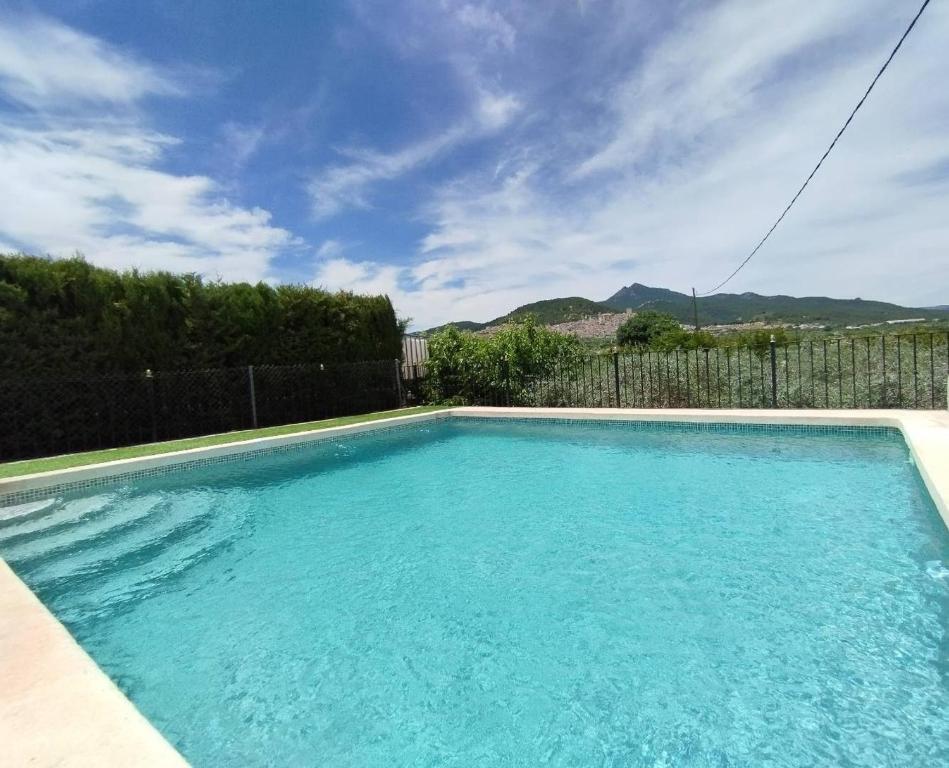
[469,157]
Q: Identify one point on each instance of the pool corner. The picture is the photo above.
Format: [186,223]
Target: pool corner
[58,707]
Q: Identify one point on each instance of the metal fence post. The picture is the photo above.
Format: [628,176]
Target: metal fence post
[774,372]
[616,378]
[253,396]
[151,402]
[507,382]
[398,381]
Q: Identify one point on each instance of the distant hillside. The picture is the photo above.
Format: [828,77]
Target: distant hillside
[553,311]
[547,312]
[749,307]
[461,325]
[722,308]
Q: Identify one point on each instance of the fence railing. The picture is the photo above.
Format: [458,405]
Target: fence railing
[887,371]
[48,416]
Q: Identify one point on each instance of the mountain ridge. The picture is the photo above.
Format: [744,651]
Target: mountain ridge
[718,309]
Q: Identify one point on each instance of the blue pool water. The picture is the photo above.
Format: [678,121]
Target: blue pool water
[480,594]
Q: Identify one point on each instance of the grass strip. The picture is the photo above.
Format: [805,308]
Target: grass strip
[31,466]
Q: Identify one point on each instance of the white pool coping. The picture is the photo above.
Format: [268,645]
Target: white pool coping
[57,708]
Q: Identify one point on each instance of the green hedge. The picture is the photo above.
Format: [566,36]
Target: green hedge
[67,316]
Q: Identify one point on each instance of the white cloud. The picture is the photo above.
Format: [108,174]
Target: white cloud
[46,65]
[498,31]
[329,248]
[452,34]
[101,197]
[496,110]
[362,277]
[94,185]
[699,149]
[241,142]
[717,67]
[348,186]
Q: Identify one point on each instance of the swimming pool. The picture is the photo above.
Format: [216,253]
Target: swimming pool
[499,593]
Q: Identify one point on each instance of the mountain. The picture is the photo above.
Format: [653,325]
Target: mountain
[749,307]
[461,325]
[722,308]
[555,310]
[547,312]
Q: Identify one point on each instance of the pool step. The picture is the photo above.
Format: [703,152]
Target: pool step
[166,524]
[49,515]
[112,588]
[83,531]
[99,553]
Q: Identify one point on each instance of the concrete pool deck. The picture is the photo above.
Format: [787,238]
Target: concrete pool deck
[57,708]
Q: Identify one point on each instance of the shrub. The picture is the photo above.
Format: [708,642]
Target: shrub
[67,316]
[662,332]
[644,328]
[760,339]
[498,368]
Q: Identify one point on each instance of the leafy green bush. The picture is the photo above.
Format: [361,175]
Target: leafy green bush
[644,328]
[67,316]
[659,331]
[760,339]
[467,368]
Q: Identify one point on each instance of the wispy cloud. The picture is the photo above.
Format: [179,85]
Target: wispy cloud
[511,152]
[349,185]
[497,30]
[91,181]
[456,35]
[47,65]
[240,142]
[690,157]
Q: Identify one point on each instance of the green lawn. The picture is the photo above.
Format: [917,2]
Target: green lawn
[15,468]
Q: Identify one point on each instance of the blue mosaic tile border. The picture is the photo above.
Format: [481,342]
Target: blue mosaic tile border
[720,427]
[48,491]
[640,425]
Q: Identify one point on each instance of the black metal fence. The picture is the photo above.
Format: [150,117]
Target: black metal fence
[49,416]
[886,371]
[43,417]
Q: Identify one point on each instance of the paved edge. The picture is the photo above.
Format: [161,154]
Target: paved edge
[57,708]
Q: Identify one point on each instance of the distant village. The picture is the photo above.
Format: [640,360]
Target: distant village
[604,325]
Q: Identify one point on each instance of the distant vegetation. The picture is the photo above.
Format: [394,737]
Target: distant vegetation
[721,309]
[726,308]
[67,316]
[658,363]
[461,325]
[547,312]
[661,332]
[656,330]
[465,368]
[552,311]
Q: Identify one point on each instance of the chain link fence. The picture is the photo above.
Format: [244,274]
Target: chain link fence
[50,416]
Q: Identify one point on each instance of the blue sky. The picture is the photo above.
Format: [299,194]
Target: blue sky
[467,157]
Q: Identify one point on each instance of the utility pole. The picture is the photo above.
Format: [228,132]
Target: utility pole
[695,310]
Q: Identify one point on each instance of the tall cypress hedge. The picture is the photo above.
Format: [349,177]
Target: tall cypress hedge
[67,317]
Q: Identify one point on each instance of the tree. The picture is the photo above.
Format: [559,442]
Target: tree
[464,367]
[66,316]
[760,339]
[644,328]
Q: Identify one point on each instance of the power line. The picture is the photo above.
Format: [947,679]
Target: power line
[824,156]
